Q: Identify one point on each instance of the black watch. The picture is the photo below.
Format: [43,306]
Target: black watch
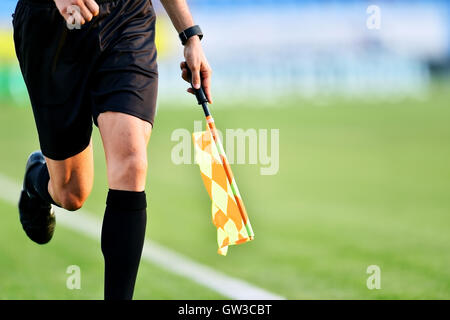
[190,32]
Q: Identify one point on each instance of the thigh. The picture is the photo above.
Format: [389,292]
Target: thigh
[74,175]
[125,139]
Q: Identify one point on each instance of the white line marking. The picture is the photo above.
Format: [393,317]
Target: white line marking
[89,225]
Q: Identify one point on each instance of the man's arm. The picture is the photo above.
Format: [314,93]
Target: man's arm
[181,17]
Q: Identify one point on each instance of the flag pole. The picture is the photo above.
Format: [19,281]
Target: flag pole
[203,101]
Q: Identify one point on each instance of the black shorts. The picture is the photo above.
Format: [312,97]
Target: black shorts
[74,75]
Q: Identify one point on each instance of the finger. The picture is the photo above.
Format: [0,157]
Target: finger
[93,7]
[85,12]
[184,75]
[183,65]
[206,83]
[196,80]
[207,90]
[79,20]
[190,90]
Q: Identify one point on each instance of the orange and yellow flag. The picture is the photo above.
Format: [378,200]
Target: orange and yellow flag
[228,211]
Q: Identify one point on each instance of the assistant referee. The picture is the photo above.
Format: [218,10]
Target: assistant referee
[104,72]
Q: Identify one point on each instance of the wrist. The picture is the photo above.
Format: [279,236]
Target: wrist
[193,41]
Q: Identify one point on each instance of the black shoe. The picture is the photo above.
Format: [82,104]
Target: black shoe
[37,216]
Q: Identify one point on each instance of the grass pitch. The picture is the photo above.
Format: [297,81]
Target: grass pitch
[359,184]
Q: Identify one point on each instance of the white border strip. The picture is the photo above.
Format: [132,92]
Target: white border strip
[87,224]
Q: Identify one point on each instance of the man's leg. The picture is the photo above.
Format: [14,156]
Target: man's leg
[125,140]
[66,183]
[71,179]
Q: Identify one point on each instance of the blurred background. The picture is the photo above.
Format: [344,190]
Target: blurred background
[359,91]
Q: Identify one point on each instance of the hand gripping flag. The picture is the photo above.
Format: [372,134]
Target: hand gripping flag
[228,211]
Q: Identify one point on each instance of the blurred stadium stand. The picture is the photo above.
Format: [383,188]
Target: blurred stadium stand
[262,49]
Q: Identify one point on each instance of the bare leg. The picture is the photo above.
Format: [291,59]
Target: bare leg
[71,180]
[125,140]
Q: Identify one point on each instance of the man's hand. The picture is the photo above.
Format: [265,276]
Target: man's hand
[87,10]
[199,66]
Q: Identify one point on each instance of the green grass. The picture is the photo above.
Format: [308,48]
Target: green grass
[359,184]
[30,271]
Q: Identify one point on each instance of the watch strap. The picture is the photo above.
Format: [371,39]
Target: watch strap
[190,32]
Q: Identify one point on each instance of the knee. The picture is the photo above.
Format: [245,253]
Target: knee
[128,172]
[72,199]
[134,166]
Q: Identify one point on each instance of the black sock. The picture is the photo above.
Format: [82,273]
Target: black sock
[37,182]
[123,234]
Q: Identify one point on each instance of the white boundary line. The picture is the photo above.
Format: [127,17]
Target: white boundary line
[87,224]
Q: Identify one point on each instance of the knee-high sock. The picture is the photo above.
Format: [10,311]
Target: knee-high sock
[123,234]
[37,182]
